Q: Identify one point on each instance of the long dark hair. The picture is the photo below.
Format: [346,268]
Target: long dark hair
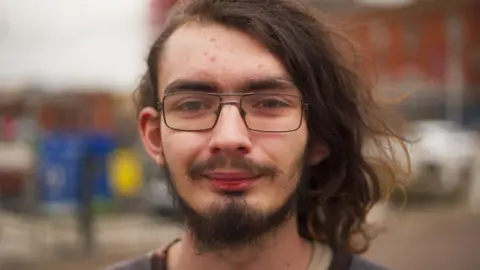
[342,113]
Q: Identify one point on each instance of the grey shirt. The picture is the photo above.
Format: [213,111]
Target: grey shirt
[144,263]
[157,261]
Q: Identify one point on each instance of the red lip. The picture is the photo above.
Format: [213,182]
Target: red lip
[231,182]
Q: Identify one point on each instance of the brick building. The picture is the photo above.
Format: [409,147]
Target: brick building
[418,36]
[430,47]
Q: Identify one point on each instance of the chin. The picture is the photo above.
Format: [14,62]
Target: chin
[228,200]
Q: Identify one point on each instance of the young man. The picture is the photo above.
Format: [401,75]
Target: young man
[260,123]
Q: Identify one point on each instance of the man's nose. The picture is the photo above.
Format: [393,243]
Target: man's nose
[230,134]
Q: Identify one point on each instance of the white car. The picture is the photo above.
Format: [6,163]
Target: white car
[442,162]
[442,156]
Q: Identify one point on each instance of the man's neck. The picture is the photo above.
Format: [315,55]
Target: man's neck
[284,250]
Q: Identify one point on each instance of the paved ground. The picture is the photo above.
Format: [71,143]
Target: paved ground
[36,244]
[422,238]
[430,238]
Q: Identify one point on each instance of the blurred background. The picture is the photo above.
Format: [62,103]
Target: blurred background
[78,192]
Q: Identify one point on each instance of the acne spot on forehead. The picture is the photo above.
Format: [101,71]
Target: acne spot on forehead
[212,40]
[210,57]
[260,66]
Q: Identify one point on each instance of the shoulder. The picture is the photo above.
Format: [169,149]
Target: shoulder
[359,263]
[139,263]
[155,260]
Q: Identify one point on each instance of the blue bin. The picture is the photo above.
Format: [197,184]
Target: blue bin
[59,171]
[61,166]
[100,146]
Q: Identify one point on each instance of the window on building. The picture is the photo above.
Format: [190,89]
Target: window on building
[411,37]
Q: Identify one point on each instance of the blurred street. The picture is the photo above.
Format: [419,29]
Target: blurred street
[440,237]
[54,244]
[423,237]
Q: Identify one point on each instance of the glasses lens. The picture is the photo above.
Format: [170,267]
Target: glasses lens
[272,112]
[190,111]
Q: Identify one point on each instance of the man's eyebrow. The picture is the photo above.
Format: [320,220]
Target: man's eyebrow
[273,83]
[257,84]
[182,85]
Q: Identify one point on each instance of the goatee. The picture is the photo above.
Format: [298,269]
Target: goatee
[232,223]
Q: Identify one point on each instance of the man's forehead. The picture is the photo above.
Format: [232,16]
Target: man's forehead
[216,54]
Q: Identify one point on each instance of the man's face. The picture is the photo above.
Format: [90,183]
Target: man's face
[233,183]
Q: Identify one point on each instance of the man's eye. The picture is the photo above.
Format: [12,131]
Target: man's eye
[271,104]
[192,106]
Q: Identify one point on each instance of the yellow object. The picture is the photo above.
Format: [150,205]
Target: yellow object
[126,175]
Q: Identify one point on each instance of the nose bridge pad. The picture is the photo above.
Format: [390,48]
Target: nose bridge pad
[243,113]
[237,104]
[233,103]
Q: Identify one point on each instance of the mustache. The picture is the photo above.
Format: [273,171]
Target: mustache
[197,169]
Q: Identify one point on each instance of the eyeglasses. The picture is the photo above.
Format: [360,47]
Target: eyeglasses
[265,112]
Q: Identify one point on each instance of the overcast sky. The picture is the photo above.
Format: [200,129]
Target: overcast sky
[73,42]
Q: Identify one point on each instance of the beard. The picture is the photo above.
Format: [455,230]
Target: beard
[232,223]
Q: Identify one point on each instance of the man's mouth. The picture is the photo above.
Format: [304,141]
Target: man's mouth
[231,181]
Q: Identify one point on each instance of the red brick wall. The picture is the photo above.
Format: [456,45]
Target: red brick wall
[82,111]
[431,55]
[471,53]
